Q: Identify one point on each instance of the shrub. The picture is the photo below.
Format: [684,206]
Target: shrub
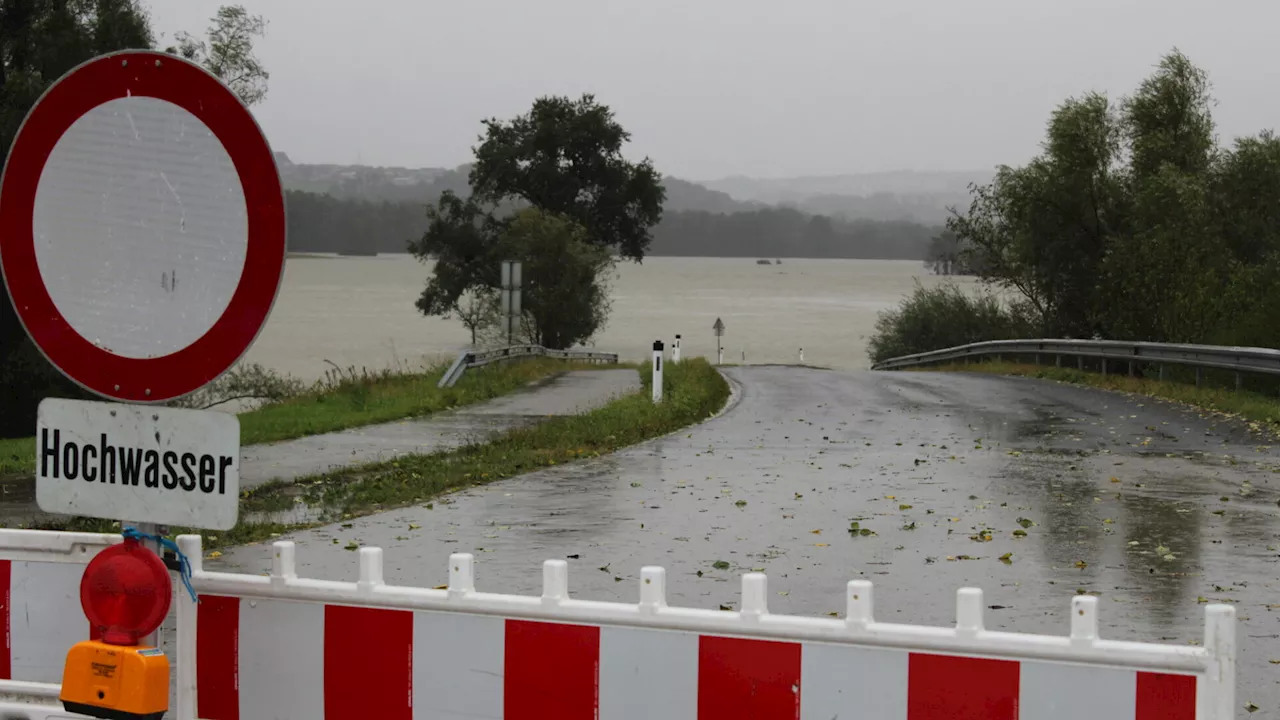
[942,317]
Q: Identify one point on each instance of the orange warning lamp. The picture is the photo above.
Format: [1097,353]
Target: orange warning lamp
[125,593]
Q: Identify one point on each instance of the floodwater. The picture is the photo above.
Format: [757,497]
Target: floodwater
[359,311]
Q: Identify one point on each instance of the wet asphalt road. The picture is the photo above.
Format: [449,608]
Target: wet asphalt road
[1150,505]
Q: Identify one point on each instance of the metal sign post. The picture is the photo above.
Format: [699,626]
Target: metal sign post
[512,312]
[142,242]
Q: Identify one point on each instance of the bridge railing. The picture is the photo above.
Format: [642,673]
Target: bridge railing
[1218,357]
[478,358]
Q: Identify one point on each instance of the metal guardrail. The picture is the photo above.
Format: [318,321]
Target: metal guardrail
[1219,357]
[479,358]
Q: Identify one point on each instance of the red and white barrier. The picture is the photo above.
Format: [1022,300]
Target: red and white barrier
[280,646]
[40,586]
[40,589]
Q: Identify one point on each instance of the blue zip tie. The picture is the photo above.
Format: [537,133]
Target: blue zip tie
[132,533]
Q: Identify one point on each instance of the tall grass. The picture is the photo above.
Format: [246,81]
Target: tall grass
[693,390]
[1212,396]
[350,397]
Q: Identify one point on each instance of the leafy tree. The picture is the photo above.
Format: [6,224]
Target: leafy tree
[565,297]
[462,240]
[228,52]
[565,156]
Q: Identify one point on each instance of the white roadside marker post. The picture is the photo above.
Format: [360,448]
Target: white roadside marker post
[657,371]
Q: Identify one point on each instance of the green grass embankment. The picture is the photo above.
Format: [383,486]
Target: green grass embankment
[1246,404]
[353,399]
[693,391]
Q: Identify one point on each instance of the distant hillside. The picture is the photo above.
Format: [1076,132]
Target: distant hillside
[354,209]
[903,182]
[906,195]
[424,185]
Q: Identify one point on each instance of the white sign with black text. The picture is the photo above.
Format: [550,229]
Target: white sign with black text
[110,460]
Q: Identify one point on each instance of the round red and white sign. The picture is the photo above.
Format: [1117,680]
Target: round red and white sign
[142,226]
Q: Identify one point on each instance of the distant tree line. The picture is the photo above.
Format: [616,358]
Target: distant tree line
[322,223]
[1133,224]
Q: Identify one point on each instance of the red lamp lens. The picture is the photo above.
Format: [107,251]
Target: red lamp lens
[125,592]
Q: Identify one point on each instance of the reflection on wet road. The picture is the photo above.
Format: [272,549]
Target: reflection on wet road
[1030,490]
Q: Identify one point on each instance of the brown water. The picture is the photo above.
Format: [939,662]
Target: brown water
[359,311]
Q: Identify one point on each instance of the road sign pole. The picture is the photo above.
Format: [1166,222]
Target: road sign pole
[149,528]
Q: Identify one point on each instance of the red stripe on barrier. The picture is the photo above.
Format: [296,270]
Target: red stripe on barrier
[1166,697]
[941,687]
[552,671]
[368,663]
[6,658]
[218,658]
[747,678]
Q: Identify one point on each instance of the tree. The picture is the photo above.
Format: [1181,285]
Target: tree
[565,300]
[565,157]
[228,52]
[462,239]
[1133,224]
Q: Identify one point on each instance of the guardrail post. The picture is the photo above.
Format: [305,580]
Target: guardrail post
[1037,358]
[1199,376]
[1161,372]
[1080,363]
[1057,360]
[1239,381]
[1130,368]
[1104,367]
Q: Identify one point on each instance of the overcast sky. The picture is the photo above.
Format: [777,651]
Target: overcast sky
[710,88]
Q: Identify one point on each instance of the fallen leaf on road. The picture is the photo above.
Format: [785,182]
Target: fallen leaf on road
[720,565]
[215,554]
[1025,522]
[904,507]
[816,532]
[415,526]
[820,545]
[1006,558]
[1082,564]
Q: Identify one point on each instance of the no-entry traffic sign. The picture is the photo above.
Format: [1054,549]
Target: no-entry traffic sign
[142,226]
